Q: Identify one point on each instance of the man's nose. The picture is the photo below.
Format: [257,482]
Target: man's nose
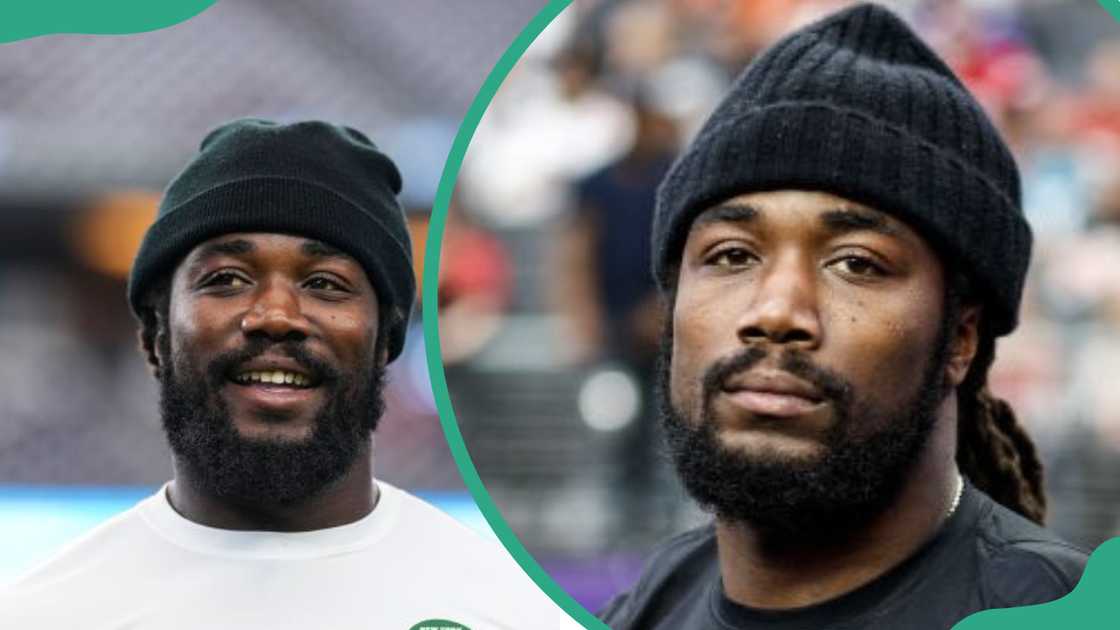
[276,312]
[783,306]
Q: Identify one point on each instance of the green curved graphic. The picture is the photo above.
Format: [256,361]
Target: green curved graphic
[1112,6]
[431,325]
[1084,608]
[1088,607]
[438,624]
[21,20]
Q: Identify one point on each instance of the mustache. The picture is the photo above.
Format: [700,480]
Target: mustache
[796,363]
[227,362]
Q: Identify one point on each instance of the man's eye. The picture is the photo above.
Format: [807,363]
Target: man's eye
[322,283]
[731,257]
[860,266]
[226,279]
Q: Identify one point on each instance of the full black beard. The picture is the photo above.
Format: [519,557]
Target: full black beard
[813,501]
[255,472]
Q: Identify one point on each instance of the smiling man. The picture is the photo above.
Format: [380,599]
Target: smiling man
[272,290]
[839,249]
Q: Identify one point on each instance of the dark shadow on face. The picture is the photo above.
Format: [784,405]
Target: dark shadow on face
[267,471]
[855,479]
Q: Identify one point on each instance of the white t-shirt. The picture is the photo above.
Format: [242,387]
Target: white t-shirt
[406,562]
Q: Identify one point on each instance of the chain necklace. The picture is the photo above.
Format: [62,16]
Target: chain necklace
[956,498]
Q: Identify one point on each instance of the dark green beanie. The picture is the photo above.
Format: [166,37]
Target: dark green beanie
[858,106]
[311,179]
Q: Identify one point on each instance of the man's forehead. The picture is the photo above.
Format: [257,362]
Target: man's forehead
[239,244]
[833,212]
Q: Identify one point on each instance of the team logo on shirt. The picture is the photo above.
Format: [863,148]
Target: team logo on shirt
[439,624]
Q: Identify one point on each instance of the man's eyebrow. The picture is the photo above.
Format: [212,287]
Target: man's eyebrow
[206,251]
[842,220]
[727,212]
[235,247]
[319,249]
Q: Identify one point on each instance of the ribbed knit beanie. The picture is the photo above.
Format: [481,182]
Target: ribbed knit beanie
[312,179]
[858,106]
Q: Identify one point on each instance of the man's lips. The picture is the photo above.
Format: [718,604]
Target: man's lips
[273,382]
[272,396]
[772,393]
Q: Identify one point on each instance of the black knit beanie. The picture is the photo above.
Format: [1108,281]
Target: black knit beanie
[856,105]
[311,179]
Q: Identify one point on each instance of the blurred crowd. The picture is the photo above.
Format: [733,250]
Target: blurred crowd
[564,166]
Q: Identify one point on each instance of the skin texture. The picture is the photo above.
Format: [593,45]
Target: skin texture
[859,298]
[243,298]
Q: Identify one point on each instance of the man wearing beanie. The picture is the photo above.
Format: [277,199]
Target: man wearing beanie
[272,290]
[839,249]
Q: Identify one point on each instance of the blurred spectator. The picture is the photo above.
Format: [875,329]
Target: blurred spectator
[606,293]
[474,287]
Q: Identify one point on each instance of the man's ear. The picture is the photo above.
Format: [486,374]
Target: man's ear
[150,355]
[153,325]
[157,343]
[966,341]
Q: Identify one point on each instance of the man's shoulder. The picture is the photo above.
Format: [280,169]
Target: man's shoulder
[1023,563]
[477,569]
[98,544]
[686,548]
[435,537]
[676,570]
[82,568]
[422,520]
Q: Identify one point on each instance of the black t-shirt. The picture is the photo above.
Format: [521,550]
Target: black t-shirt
[984,557]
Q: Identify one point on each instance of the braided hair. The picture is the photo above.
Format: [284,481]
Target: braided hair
[993,449]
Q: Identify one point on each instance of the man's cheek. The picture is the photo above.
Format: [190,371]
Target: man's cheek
[898,374]
[684,385]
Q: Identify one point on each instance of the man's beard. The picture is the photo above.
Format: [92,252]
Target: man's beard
[266,472]
[867,455]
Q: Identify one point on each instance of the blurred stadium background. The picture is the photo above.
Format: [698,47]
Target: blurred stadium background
[549,324]
[92,127]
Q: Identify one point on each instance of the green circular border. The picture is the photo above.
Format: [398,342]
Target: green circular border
[431,317]
[95,17]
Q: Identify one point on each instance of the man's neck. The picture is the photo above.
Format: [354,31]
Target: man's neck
[344,501]
[760,574]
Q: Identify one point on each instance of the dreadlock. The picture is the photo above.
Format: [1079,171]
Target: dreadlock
[993,449]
